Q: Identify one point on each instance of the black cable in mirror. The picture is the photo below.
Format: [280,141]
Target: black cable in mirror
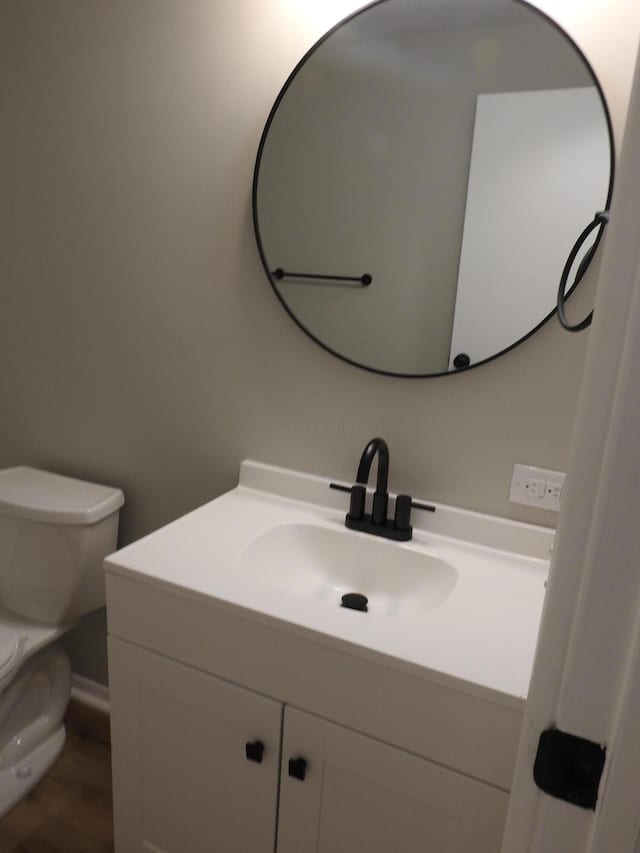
[599,221]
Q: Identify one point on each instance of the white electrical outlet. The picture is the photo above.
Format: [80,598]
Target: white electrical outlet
[536,487]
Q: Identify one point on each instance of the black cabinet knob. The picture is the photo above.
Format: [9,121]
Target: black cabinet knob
[254,751]
[297,768]
[461,360]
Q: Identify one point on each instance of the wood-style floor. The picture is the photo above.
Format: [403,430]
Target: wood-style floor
[70,810]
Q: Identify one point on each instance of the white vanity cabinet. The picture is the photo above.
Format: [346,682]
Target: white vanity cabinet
[181,779]
[359,794]
[201,764]
[226,630]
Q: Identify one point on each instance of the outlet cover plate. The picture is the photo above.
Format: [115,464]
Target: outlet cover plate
[538,487]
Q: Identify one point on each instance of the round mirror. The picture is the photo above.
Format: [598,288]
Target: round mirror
[422,177]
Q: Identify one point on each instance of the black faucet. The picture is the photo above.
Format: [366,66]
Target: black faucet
[376,522]
[377,446]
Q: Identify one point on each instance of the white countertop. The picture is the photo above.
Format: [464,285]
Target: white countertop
[481,638]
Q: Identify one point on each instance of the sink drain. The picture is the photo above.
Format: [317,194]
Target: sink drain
[355,601]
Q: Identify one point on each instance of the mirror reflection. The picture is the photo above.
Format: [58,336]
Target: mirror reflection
[451,150]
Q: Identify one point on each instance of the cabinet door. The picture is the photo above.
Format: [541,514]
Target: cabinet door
[360,794]
[182,780]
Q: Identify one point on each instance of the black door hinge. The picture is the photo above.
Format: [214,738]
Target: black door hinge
[569,767]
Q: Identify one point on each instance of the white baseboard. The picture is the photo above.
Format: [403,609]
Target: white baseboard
[90,693]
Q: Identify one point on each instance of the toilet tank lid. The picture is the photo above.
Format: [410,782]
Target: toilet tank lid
[43,496]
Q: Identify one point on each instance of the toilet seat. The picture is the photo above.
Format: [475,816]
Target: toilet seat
[19,639]
[12,645]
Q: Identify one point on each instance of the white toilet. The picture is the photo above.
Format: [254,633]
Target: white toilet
[55,532]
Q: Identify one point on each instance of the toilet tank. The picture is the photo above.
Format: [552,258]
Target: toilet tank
[55,532]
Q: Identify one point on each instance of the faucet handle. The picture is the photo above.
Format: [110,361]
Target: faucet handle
[404,505]
[356,502]
[402,518]
[425,507]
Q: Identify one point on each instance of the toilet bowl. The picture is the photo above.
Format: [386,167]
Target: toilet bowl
[55,532]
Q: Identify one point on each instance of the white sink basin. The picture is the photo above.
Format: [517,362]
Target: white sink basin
[323,563]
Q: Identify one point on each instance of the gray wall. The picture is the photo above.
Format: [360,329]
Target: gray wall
[140,344]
